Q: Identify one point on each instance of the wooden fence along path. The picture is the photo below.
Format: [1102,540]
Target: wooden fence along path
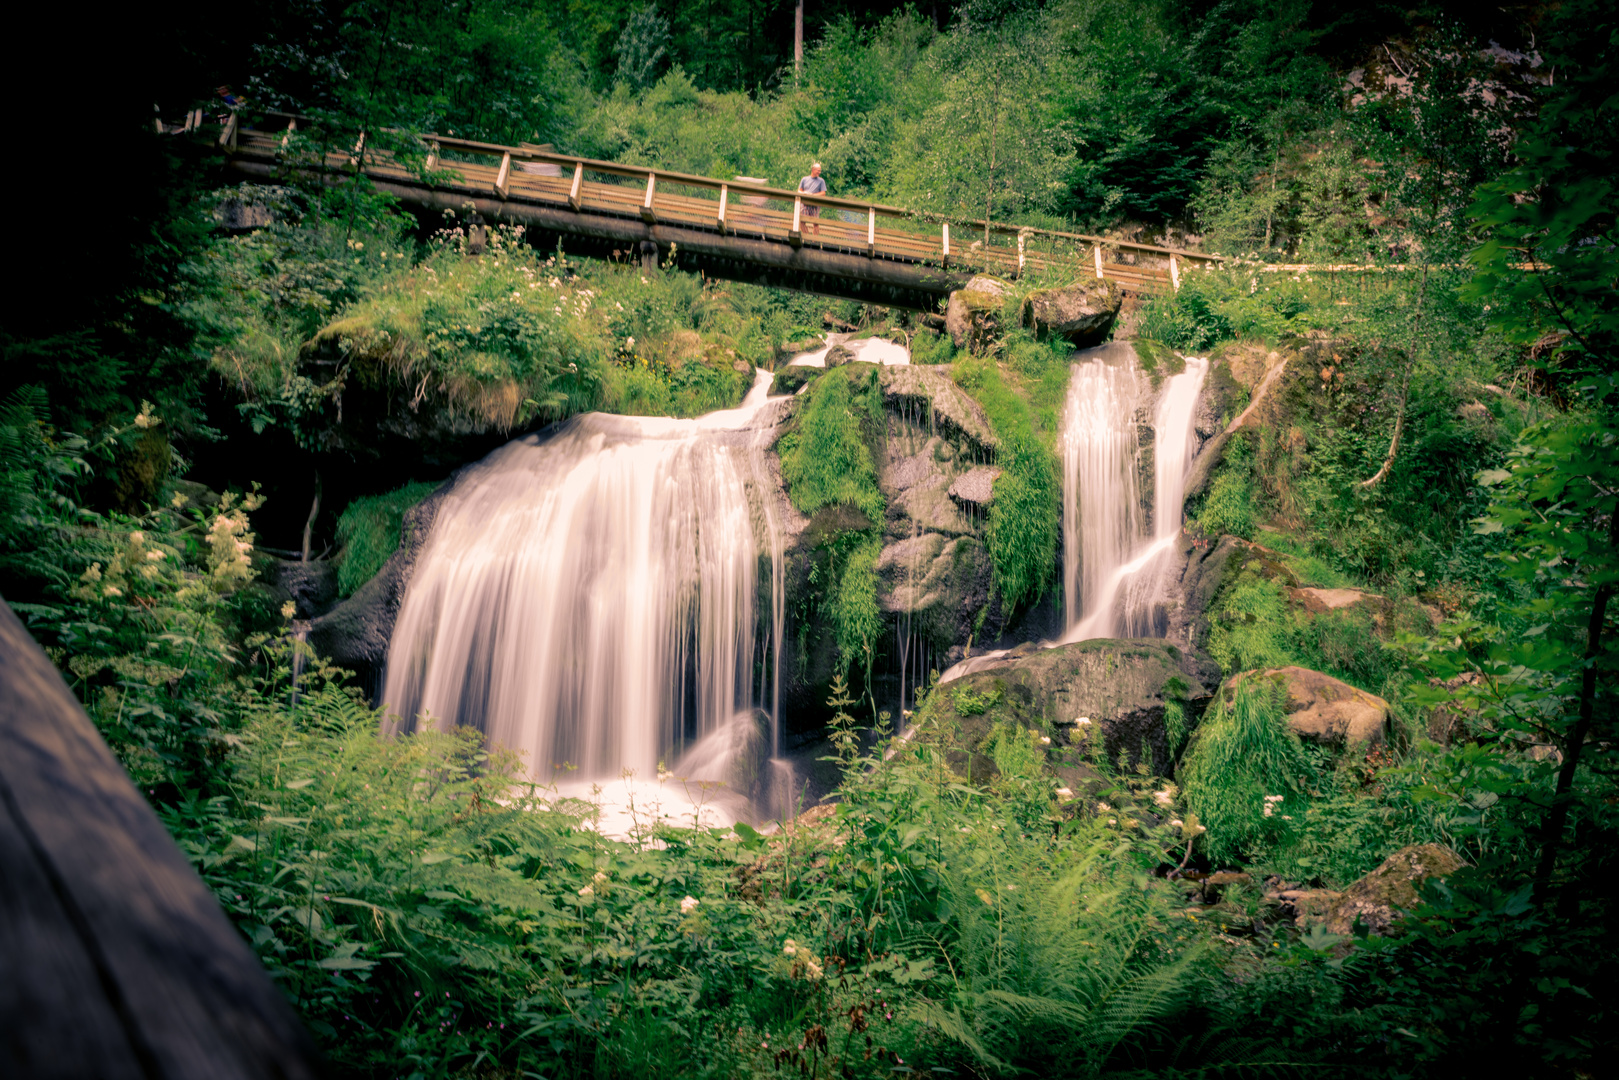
[860,243]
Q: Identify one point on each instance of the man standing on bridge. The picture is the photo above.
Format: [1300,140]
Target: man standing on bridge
[813,185]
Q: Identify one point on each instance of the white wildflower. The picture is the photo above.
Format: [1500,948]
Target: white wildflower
[137,537]
[586,893]
[1045,740]
[688,905]
[1165,797]
[812,970]
[112,590]
[1176,823]
[1083,721]
[1065,794]
[790,949]
[153,556]
[1102,808]
[288,610]
[599,878]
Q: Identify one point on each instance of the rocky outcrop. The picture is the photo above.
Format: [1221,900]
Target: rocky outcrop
[1322,601]
[1117,687]
[1327,711]
[1265,384]
[355,633]
[1377,900]
[1206,567]
[972,316]
[1083,313]
[975,488]
[927,398]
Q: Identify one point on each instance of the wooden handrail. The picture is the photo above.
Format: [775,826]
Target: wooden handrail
[642,172]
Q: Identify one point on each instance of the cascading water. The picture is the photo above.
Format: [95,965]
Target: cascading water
[590,599]
[1112,583]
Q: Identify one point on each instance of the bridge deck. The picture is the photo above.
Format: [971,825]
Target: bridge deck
[736,224]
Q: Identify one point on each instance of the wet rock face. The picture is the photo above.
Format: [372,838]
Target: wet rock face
[1083,313]
[355,633]
[1117,686]
[976,487]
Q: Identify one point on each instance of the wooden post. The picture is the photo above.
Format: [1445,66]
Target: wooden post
[1174,274]
[871,231]
[947,243]
[573,192]
[432,155]
[503,178]
[725,193]
[158,122]
[292,125]
[793,234]
[646,206]
[1022,237]
[1098,252]
[358,153]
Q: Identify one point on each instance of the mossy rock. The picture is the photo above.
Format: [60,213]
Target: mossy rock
[1159,361]
[1120,687]
[789,380]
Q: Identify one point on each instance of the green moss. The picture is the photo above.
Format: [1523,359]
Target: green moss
[830,474]
[1023,519]
[1251,625]
[1157,360]
[369,530]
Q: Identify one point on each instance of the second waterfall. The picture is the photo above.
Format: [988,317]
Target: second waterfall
[1127,442]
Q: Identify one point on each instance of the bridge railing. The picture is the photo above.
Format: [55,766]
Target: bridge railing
[745,207]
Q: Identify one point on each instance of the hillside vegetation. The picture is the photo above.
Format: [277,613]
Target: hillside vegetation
[1004,892]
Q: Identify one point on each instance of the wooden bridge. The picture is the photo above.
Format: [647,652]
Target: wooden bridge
[738,229]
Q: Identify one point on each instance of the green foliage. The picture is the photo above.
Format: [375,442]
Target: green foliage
[369,530]
[1023,519]
[1246,777]
[826,461]
[1228,508]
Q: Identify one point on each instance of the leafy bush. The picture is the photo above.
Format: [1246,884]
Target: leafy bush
[1229,506]
[369,530]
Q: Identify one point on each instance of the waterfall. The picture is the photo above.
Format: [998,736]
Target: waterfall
[1112,549]
[590,598]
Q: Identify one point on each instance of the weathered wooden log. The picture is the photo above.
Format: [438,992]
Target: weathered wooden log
[115,960]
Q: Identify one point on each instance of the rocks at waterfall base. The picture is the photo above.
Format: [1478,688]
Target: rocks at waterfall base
[1118,688]
[1083,313]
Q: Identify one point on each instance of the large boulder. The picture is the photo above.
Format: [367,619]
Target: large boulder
[1328,711]
[927,397]
[1083,313]
[1117,686]
[1379,898]
[973,315]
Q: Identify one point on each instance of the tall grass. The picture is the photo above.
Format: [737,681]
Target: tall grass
[1244,755]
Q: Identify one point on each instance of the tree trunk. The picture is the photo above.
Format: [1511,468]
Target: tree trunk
[1405,391]
[798,38]
[1551,838]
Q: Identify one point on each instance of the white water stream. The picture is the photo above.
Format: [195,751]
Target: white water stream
[592,600]
[1113,577]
